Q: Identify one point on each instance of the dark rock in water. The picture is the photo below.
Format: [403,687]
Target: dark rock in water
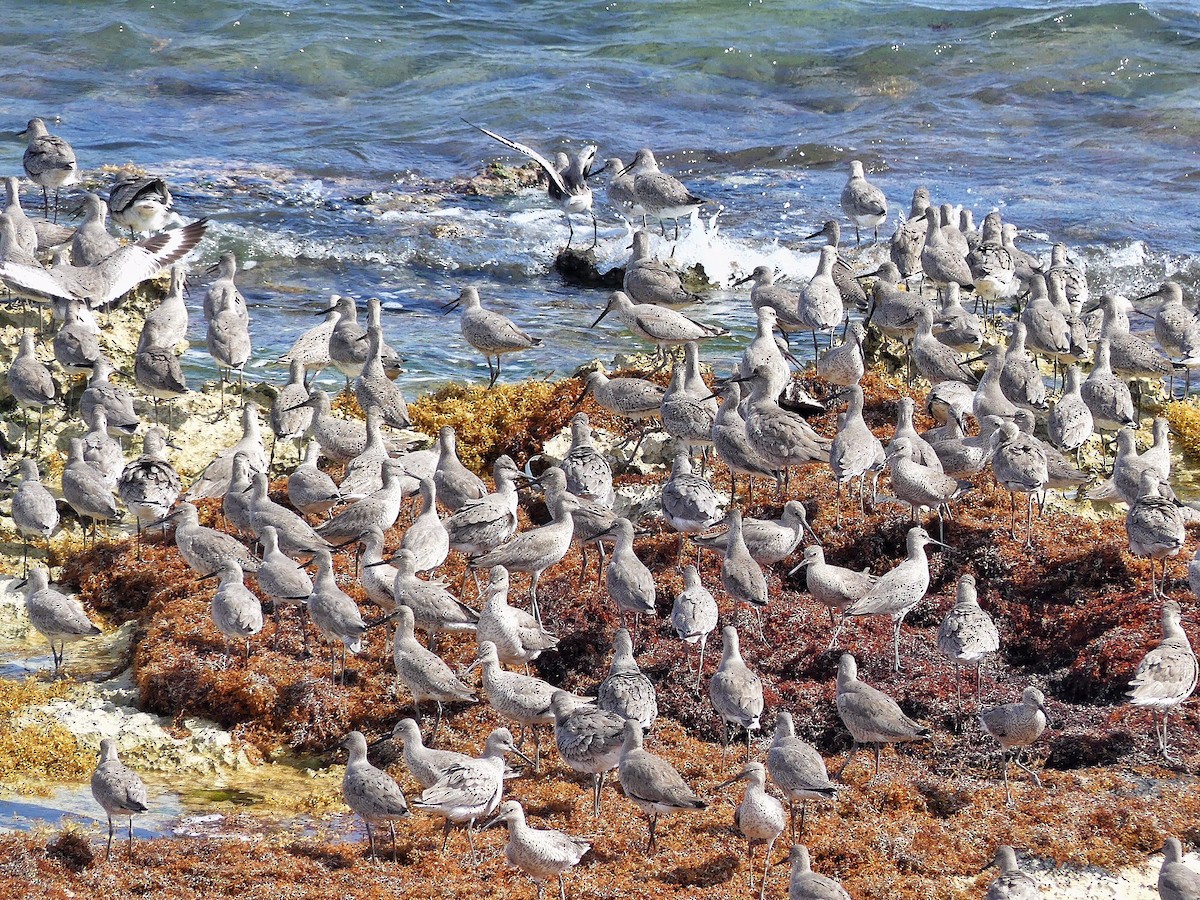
[797,399]
[578,267]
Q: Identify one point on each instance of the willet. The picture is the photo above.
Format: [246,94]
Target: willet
[592,522]
[1020,379]
[940,262]
[967,635]
[848,286]
[377,576]
[833,586]
[140,203]
[334,612]
[34,512]
[651,783]
[1070,422]
[58,618]
[24,234]
[1176,328]
[993,269]
[628,581]
[309,489]
[434,608]
[472,789]
[518,636]
[102,452]
[1177,881]
[374,388]
[49,162]
[363,475]
[733,445]
[797,770]
[380,510]
[149,486]
[871,716]
[780,437]
[426,764]
[990,399]
[690,505]
[686,415]
[922,450]
[921,486]
[961,456]
[855,450]
[620,190]
[1126,480]
[156,368]
[806,884]
[933,359]
[648,280]
[541,853]
[568,187]
[340,439]
[76,343]
[1017,725]
[1166,676]
[426,538]
[456,484]
[284,581]
[91,242]
[660,196]
[741,576]
[483,525]
[819,307]
[768,540]
[588,474]
[627,691]
[117,403]
[1107,396]
[371,792]
[657,325]
[767,293]
[694,614]
[632,398]
[900,589]
[1155,529]
[1012,883]
[311,349]
[347,350]
[30,383]
[955,327]
[588,739]
[228,342]
[214,480]
[235,611]
[118,790]
[296,536]
[1046,328]
[950,400]
[535,550]
[171,315]
[1019,464]
[522,698]
[845,364]
[759,817]
[203,548]
[112,277]
[86,491]
[863,203]
[223,293]
[735,690]
[424,674]
[948,221]
[1077,286]
[908,240]
[489,332]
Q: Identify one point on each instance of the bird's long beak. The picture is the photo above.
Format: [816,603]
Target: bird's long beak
[1149,295]
[492,823]
[800,565]
[451,306]
[164,520]
[322,312]
[867,275]
[742,281]
[376,744]
[816,234]
[741,776]
[607,307]
[528,761]
[297,406]
[208,576]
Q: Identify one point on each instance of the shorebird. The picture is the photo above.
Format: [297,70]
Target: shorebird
[566,186]
[426,538]
[781,438]
[49,162]
[118,790]
[940,262]
[1017,725]
[471,789]
[733,445]
[1020,466]
[456,484]
[855,450]
[627,691]
[631,398]
[334,612]
[425,764]
[24,237]
[284,581]
[735,690]
[689,503]
[1070,424]
[518,636]
[620,190]
[489,332]
[1166,676]
[845,364]
[34,512]
[741,576]
[652,783]
[1012,883]
[1155,528]
[522,698]
[862,202]
[806,884]
[91,242]
[656,325]
[483,525]
[768,540]
[955,327]
[797,770]
[86,490]
[235,610]
[1107,396]
[371,792]
[871,716]
[140,203]
[759,817]
[149,486]
[918,485]
[156,368]
[381,509]
[541,853]
[309,489]
[853,295]
[688,413]
[311,349]
[171,315]
[659,195]
[694,615]
[374,389]
[588,474]
[434,608]
[628,581]
[833,586]
[424,674]
[30,383]
[819,306]
[648,280]
[1176,880]
[58,618]
[203,548]
[967,635]
[588,739]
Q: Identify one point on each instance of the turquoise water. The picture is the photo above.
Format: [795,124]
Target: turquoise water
[277,119]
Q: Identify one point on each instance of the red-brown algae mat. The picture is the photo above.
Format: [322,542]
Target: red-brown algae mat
[1074,614]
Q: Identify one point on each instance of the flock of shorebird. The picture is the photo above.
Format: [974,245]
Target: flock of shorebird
[749,431]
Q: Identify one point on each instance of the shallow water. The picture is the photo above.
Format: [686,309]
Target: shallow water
[289,124]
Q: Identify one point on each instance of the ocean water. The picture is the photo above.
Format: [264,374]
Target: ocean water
[312,135]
